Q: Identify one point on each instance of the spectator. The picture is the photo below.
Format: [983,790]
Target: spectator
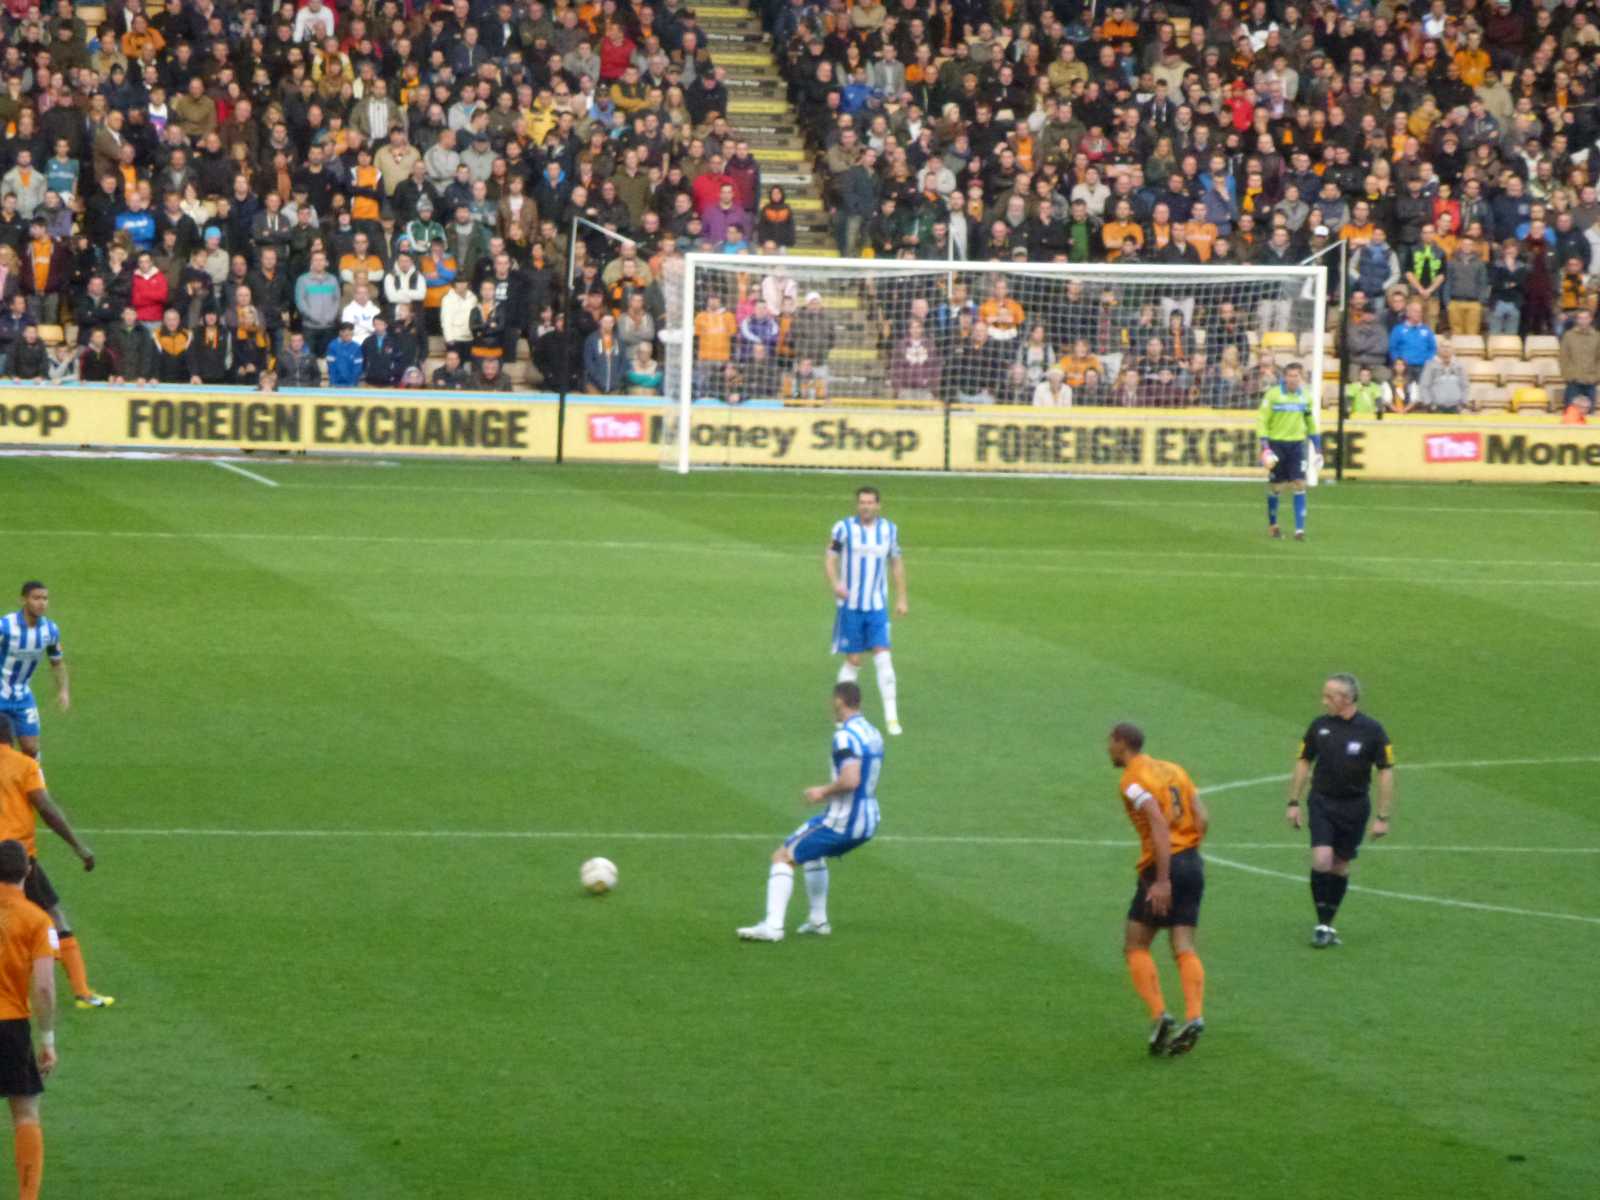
[96,362]
[172,345]
[604,366]
[316,299]
[455,315]
[1444,387]
[644,372]
[208,351]
[1412,342]
[150,291]
[1580,362]
[1366,338]
[452,374]
[1364,396]
[1053,390]
[1466,287]
[133,350]
[64,362]
[31,360]
[915,365]
[297,365]
[381,362]
[1508,279]
[345,360]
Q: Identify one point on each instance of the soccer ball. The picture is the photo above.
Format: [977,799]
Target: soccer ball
[598,876]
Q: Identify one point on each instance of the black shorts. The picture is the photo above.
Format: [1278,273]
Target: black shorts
[19,1070]
[1339,823]
[37,887]
[1188,874]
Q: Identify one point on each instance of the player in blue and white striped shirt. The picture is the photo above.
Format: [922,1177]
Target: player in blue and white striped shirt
[862,551]
[850,820]
[26,637]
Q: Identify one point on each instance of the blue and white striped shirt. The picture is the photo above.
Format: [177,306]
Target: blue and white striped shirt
[856,815]
[864,552]
[21,647]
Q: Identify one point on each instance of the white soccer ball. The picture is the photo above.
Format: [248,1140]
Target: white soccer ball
[598,876]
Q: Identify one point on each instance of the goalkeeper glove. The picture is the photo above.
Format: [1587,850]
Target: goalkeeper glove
[1268,458]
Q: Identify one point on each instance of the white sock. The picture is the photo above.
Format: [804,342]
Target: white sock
[780,886]
[817,891]
[848,672]
[885,666]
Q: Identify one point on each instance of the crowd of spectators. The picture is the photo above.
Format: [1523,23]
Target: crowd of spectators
[244,192]
[1447,143]
[232,191]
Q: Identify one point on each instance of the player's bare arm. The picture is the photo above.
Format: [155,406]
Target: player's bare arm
[58,667]
[44,1012]
[1202,815]
[902,603]
[1385,811]
[830,568]
[849,779]
[1159,893]
[57,820]
[1297,787]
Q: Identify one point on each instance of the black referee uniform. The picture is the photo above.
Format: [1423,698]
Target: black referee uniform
[1343,752]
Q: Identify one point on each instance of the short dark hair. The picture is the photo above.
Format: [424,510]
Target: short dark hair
[868,490]
[1294,366]
[33,585]
[13,861]
[1129,734]
[849,692]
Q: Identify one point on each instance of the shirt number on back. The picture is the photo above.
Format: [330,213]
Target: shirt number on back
[1177,803]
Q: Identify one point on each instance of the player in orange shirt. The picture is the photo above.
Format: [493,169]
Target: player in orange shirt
[22,794]
[1165,809]
[27,990]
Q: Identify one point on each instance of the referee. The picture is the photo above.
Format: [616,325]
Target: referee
[1340,751]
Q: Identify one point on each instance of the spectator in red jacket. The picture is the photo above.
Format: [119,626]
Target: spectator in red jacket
[149,291]
[616,51]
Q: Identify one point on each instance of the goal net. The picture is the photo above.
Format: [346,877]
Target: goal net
[859,363]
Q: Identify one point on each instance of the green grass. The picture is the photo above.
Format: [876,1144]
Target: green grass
[594,655]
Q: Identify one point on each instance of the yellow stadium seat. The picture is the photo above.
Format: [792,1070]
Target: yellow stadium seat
[1542,345]
[1547,369]
[1505,345]
[52,335]
[1530,397]
[1491,399]
[1276,340]
[1468,345]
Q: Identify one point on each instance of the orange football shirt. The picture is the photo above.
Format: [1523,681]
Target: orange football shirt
[1146,781]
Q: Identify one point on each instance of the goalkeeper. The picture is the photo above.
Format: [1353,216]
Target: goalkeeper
[1287,419]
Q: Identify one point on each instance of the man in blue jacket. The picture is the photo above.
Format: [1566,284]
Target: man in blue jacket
[345,358]
[1413,342]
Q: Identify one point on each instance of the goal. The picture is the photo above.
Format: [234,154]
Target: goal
[908,364]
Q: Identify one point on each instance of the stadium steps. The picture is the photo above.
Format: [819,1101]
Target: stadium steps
[758,108]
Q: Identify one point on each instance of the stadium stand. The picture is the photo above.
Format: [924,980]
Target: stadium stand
[299,166]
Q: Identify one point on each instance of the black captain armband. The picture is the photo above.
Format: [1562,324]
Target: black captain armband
[836,545]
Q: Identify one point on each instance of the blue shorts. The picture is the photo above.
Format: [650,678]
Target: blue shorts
[814,840]
[23,715]
[857,630]
[1291,466]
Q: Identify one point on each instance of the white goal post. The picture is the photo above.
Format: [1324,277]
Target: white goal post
[812,361]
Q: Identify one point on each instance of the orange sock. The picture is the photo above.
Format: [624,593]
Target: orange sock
[1146,981]
[1193,975]
[72,960]
[29,1142]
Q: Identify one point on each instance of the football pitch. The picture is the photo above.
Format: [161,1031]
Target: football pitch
[341,744]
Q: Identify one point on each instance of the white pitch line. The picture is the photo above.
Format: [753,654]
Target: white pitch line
[1444,901]
[664,547]
[238,470]
[566,835]
[1475,764]
[911,498]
